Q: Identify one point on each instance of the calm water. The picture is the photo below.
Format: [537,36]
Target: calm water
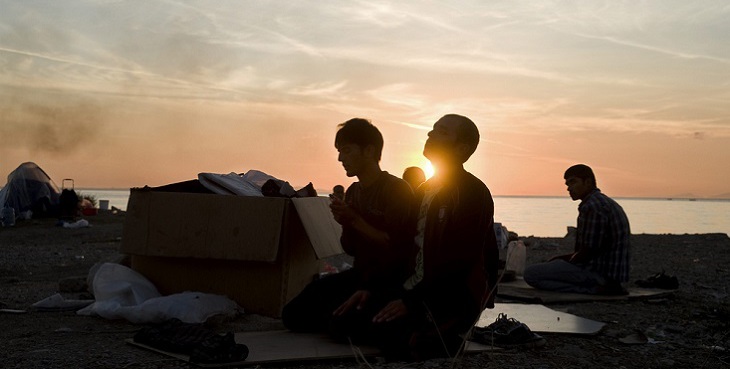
[550,216]
[117,198]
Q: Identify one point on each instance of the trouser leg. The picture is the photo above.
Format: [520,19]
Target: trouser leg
[562,276]
[311,310]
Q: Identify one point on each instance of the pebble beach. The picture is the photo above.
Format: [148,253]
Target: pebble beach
[687,329]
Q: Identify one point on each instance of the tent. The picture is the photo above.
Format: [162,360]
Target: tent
[30,188]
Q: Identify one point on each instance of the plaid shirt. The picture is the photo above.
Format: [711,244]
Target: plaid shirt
[604,227]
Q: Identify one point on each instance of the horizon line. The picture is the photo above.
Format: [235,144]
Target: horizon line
[722,197]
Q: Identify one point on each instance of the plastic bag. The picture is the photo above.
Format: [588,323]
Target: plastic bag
[122,293]
[516,257]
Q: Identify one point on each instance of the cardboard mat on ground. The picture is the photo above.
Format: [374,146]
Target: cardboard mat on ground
[258,251]
[542,319]
[281,346]
[270,347]
[519,290]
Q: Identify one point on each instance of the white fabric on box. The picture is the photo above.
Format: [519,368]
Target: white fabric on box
[229,184]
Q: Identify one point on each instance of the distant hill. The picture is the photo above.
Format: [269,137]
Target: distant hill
[686,195]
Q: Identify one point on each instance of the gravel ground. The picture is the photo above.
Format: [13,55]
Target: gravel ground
[689,329]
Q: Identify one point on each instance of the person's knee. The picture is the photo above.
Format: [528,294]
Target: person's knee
[295,318]
[530,274]
[287,318]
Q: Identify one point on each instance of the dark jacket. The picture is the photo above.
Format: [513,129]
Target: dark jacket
[388,205]
[460,251]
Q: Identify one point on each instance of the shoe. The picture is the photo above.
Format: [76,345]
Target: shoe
[174,336]
[659,280]
[507,332]
[202,344]
[219,349]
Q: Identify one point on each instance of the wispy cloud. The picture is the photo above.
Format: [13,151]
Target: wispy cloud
[399,95]
[656,49]
[324,89]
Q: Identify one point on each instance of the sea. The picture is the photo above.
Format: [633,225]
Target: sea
[551,216]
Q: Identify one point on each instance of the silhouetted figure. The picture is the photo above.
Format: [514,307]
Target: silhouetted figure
[338,191]
[454,262]
[378,224]
[414,176]
[600,262]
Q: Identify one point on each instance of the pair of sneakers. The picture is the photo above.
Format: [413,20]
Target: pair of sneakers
[507,333]
[659,280]
[203,345]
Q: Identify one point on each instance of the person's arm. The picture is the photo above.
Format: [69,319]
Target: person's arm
[394,310]
[357,300]
[347,217]
[397,213]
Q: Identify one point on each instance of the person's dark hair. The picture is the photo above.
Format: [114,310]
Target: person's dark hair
[413,171]
[467,133]
[581,171]
[414,176]
[359,132]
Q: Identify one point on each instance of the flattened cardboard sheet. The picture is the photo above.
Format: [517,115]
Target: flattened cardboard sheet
[542,319]
[519,290]
[282,346]
[319,223]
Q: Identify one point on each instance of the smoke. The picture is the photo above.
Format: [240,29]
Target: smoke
[57,126]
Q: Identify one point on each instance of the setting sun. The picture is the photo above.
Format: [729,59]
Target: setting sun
[428,169]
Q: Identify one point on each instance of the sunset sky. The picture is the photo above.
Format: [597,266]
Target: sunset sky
[119,94]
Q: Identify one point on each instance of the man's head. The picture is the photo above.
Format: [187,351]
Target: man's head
[580,181]
[358,143]
[454,138]
[414,176]
[339,191]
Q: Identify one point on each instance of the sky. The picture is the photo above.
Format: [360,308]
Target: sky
[120,94]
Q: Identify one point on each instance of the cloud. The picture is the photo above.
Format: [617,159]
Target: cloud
[323,89]
[656,49]
[399,95]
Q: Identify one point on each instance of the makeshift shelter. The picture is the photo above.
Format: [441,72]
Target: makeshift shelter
[30,188]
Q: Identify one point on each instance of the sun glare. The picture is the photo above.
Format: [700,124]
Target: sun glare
[428,169]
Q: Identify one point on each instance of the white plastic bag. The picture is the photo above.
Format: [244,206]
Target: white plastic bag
[81,223]
[122,293]
[121,284]
[516,257]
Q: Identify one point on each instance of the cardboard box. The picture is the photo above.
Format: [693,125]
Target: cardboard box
[258,251]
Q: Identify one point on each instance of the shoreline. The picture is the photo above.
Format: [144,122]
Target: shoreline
[327,192]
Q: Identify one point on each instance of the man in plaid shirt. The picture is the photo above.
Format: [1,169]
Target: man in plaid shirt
[600,262]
